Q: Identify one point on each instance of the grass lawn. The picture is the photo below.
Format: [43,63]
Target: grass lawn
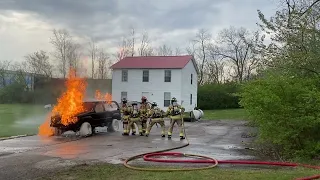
[234,114]
[19,119]
[114,172]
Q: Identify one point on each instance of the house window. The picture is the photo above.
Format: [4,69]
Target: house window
[123,95]
[167,98]
[191,78]
[167,76]
[190,99]
[124,76]
[145,76]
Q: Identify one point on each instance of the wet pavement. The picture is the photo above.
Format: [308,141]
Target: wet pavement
[33,156]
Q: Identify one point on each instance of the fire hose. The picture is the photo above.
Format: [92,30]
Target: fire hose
[206,160]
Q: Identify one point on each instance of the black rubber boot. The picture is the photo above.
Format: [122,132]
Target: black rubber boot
[147,135]
[182,137]
[125,134]
[163,135]
[133,133]
[141,134]
[169,136]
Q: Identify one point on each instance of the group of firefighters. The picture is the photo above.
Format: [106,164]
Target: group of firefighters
[132,114]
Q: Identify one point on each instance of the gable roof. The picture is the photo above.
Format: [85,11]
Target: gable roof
[154,62]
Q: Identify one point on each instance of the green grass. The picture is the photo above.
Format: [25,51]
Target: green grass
[115,172]
[234,114]
[19,119]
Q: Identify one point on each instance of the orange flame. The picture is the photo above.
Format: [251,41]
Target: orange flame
[45,129]
[71,101]
[69,104]
[107,97]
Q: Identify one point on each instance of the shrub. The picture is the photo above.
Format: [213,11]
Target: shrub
[218,96]
[286,110]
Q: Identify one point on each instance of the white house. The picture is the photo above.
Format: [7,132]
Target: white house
[159,78]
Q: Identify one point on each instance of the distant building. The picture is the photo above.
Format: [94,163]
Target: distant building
[8,77]
[159,78]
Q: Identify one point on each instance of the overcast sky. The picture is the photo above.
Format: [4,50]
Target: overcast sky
[26,25]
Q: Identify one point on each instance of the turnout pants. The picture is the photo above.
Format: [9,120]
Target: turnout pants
[126,127]
[153,121]
[131,123]
[144,124]
[176,119]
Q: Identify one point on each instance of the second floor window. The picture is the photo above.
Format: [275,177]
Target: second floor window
[124,76]
[167,76]
[145,76]
[191,78]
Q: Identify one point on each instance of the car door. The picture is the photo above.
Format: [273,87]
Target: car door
[99,113]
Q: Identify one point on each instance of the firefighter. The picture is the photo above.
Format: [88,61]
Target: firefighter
[156,114]
[135,117]
[175,112]
[144,108]
[125,110]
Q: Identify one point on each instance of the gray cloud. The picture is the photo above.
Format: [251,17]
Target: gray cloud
[109,20]
[89,17]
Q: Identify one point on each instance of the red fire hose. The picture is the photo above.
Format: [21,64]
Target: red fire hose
[149,157]
[206,160]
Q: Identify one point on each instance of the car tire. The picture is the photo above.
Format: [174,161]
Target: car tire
[192,118]
[114,126]
[57,132]
[85,129]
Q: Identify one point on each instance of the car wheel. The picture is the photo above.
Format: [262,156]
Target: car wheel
[57,132]
[85,129]
[192,118]
[114,126]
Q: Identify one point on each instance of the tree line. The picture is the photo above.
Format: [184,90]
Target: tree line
[284,100]
[233,56]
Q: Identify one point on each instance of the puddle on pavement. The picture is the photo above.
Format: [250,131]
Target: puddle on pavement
[6,153]
[15,149]
[66,150]
[54,163]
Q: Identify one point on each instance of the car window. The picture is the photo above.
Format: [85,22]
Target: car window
[99,108]
[88,106]
[111,106]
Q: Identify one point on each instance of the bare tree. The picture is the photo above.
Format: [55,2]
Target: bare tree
[127,46]
[4,67]
[102,64]
[191,49]
[214,69]
[63,43]
[240,47]
[178,51]
[124,49]
[93,53]
[145,48]
[20,73]
[198,49]
[132,41]
[38,63]
[165,50]
[73,56]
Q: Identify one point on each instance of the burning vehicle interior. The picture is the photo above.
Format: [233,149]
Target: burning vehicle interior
[75,112]
[96,114]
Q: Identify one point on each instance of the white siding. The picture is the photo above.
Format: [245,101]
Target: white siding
[156,85]
[188,88]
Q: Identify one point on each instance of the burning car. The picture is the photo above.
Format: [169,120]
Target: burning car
[96,113]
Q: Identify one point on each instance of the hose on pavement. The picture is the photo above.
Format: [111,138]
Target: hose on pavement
[206,160]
